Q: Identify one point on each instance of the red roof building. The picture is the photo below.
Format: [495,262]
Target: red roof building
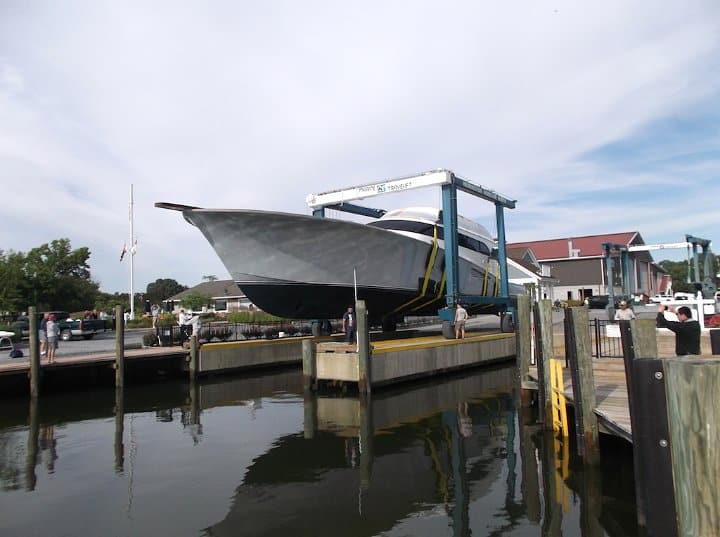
[578,264]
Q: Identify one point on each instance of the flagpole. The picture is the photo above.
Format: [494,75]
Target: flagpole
[132,257]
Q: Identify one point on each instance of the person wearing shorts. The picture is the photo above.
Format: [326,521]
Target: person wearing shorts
[42,334]
[461,316]
[53,331]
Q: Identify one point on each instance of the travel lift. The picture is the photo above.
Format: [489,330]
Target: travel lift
[450,184]
[703,282]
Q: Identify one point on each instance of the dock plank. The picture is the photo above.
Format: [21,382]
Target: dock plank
[22,365]
[612,407]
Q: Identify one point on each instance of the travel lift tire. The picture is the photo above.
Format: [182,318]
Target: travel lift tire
[506,323]
[320,327]
[388,325]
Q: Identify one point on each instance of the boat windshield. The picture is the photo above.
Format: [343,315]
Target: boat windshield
[423,228]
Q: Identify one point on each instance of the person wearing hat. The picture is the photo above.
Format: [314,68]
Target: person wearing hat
[624,313]
[349,325]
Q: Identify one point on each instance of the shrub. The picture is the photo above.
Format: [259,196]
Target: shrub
[142,322]
[252,332]
[149,339]
[250,317]
[270,332]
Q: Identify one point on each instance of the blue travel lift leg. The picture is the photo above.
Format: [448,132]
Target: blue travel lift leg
[450,224]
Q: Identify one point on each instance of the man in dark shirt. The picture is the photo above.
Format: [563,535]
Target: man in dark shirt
[687,330]
[349,325]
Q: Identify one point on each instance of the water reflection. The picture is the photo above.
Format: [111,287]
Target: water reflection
[256,456]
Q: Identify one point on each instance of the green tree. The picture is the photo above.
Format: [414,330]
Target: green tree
[58,277]
[162,289]
[682,271]
[196,301]
[210,278]
[107,301]
[12,281]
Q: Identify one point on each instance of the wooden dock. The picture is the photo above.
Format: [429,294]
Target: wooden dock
[22,367]
[666,407]
[612,407]
[399,360]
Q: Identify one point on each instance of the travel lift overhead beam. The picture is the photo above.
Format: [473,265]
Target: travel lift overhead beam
[705,280]
[450,184]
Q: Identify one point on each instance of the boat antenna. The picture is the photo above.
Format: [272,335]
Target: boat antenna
[357,340]
[355,282]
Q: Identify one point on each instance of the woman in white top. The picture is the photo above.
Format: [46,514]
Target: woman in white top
[53,331]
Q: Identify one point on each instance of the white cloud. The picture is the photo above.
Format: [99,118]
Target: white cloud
[245,105]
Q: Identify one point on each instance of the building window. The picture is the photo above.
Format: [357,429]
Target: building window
[220,305]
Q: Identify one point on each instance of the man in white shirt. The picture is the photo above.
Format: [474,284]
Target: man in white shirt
[624,313]
[461,316]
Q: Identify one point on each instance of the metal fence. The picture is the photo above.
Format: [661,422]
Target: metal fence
[217,331]
[167,336]
[604,345]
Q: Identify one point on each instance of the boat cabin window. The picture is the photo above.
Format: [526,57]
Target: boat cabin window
[424,228]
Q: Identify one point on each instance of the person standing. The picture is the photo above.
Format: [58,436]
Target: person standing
[126,318]
[687,330]
[461,316]
[349,325]
[624,313]
[42,334]
[53,331]
[155,312]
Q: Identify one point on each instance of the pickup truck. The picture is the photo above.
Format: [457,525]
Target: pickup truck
[69,327]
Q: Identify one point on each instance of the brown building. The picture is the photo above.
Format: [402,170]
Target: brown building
[578,265]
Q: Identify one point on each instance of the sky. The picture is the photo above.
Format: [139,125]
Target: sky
[597,117]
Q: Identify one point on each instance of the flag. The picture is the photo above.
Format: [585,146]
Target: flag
[134,248]
[124,251]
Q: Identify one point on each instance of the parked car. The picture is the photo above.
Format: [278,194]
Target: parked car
[659,299]
[598,302]
[69,328]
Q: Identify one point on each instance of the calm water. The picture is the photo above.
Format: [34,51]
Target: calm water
[249,456]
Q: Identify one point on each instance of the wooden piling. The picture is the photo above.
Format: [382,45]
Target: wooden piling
[552,519]
[35,371]
[583,384]
[544,347]
[309,364]
[194,368]
[654,491]
[119,430]
[310,421]
[652,458]
[31,456]
[119,347]
[523,335]
[693,385]
[366,440]
[529,487]
[363,342]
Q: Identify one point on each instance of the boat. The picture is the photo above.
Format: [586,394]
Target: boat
[304,267]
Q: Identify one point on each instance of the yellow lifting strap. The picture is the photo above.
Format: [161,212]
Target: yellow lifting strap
[485,279]
[437,296]
[559,407]
[496,287]
[428,271]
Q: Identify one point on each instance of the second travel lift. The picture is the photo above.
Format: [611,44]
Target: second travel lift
[450,184]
